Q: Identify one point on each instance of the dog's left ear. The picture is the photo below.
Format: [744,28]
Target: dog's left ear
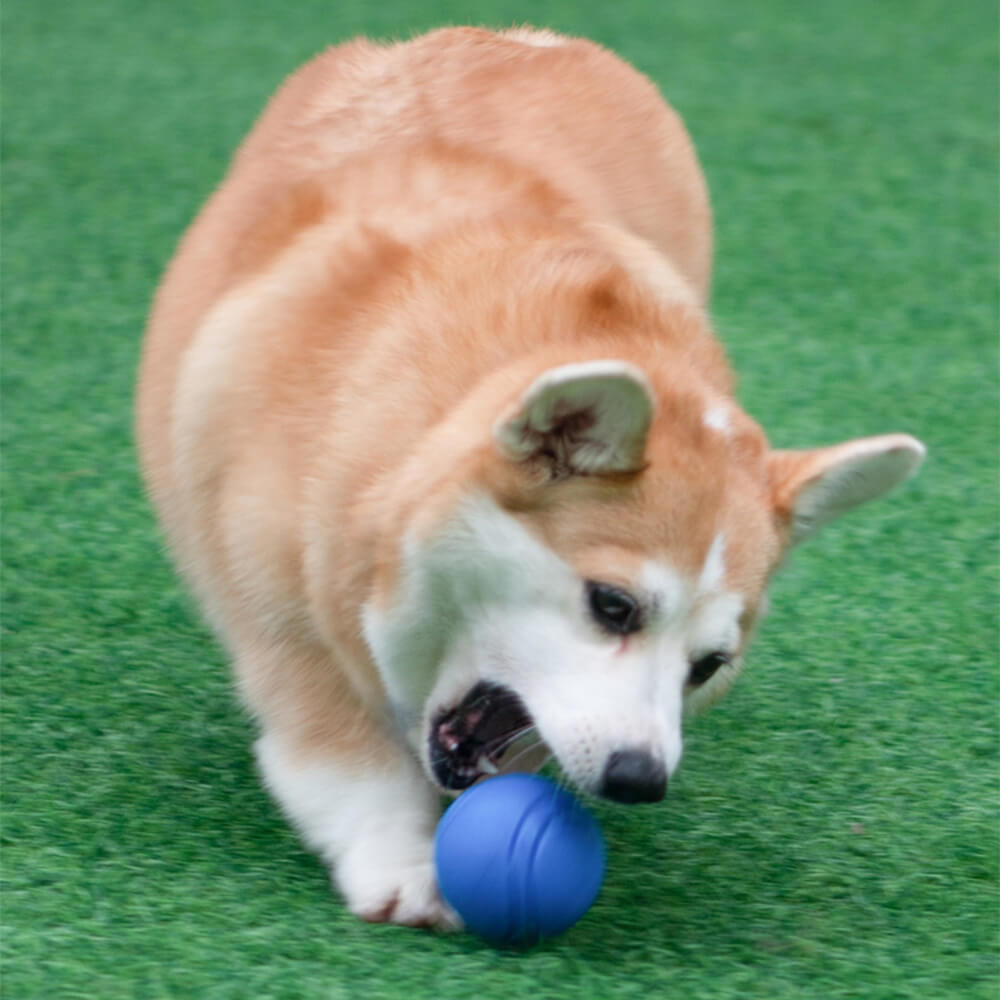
[590,418]
[811,488]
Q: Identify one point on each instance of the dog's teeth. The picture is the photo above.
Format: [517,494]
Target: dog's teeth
[487,766]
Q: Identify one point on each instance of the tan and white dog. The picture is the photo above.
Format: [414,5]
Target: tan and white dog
[433,416]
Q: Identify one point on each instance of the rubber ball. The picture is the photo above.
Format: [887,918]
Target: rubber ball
[519,859]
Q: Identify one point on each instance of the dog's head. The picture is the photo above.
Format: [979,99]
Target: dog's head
[576,584]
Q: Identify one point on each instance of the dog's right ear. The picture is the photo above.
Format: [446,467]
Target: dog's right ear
[811,488]
[587,419]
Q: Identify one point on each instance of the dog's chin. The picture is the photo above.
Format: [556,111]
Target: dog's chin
[488,732]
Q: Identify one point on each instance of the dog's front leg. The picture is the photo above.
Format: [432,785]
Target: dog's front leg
[357,795]
[372,821]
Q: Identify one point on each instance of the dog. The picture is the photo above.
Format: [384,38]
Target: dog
[438,431]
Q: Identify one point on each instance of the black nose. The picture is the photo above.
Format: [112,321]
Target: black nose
[634,776]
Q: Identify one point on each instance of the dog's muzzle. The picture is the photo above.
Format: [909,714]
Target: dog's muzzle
[469,741]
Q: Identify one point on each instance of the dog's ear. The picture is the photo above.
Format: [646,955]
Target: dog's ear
[811,488]
[590,418]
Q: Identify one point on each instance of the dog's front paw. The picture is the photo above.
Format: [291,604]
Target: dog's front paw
[375,828]
[385,880]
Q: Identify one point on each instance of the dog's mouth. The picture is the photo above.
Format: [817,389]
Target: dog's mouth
[471,740]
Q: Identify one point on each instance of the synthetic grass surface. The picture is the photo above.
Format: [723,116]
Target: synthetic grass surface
[832,831]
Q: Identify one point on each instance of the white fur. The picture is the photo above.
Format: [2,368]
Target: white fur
[541,39]
[381,857]
[486,600]
[719,419]
[714,570]
[665,590]
[714,625]
[482,560]
[703,615]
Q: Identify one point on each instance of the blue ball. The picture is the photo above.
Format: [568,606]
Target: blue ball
[518,858]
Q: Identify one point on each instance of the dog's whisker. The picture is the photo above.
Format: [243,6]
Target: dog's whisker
[514,758]
[498,746]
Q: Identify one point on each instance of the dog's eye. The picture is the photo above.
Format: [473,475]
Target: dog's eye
[614,609]
[703,668]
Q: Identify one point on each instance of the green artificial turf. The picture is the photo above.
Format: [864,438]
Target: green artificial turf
[833,830]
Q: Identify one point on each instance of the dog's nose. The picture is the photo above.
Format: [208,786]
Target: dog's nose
[634,776]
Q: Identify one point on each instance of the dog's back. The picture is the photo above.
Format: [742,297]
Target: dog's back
[369,154]
[567,109]
[569,112]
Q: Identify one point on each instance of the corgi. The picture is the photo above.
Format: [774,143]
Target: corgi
[438,432]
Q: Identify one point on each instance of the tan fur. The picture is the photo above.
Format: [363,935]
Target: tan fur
[408,236]
[398,190]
